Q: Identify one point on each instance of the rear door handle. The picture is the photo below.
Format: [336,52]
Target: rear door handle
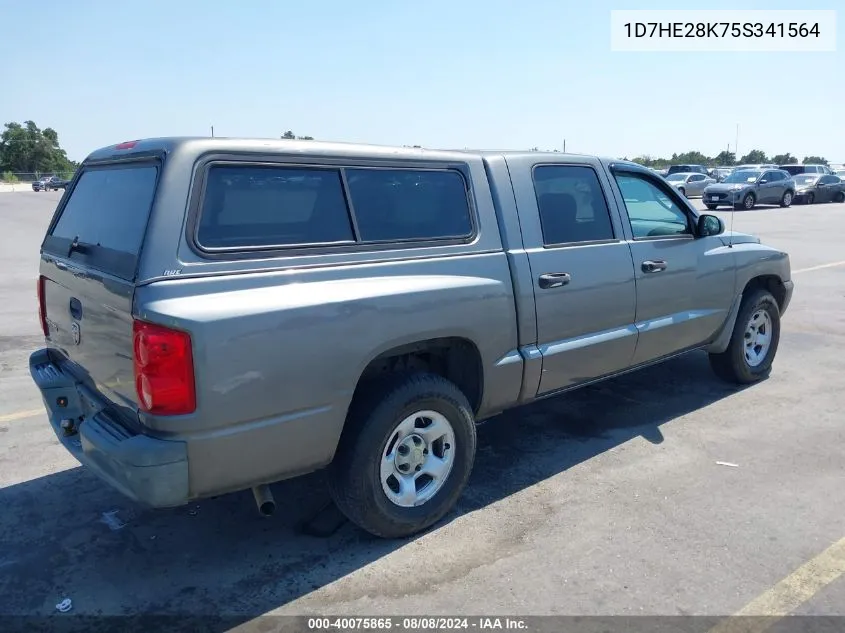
[653,265]
[553,280]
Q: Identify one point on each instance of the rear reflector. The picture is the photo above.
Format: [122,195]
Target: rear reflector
[42,309]
[164,369]
[126,145]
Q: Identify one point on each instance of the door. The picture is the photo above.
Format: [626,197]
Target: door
[696,185]
[584,289]
[685,284]
[826,188]
[769,190]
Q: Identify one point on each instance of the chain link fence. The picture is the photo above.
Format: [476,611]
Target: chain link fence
[13,177]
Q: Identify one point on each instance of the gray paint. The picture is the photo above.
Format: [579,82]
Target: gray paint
[280,340]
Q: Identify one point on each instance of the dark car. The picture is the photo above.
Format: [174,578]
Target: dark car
[745,188]
[687,169]
[806,169]
[810,188]
[50,183]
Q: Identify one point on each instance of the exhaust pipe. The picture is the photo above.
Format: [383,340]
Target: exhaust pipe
[264,500]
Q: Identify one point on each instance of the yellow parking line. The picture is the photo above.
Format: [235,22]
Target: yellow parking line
[820,267]
[789,594]
[19,415]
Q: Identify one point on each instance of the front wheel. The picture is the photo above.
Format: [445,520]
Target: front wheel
[749,201]
[712,207]
[810,198]
[840,197]
[405,455]
[754,341]
[787,199]
[682,191]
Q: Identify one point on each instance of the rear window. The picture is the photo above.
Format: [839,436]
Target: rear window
[252,206]
[106,215]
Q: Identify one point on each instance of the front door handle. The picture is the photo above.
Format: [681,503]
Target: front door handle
[553,280]
[653,265]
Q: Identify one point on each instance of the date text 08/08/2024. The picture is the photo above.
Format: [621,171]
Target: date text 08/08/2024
[721,29]
[416,623]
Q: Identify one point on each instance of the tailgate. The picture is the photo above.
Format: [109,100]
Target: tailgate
[88,266]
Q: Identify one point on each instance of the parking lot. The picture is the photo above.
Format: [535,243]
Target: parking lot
[606,501]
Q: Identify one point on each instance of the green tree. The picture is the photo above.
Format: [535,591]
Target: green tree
[784,159]
[754,157]
[725,158]
[691,158]
[291,136]
[26,148]
[814,160]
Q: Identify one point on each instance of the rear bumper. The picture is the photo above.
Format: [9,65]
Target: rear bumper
[152,471]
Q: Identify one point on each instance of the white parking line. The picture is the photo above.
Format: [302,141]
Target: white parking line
[819,267]
[19,415]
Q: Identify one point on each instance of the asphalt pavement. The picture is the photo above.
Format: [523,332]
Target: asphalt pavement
[607,501]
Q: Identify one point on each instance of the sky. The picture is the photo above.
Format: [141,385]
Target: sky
[504,74]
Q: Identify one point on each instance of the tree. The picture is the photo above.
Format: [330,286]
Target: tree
[814,160]
[291,136]
[755,156]
[26,148]
[691,158]
[784,159]
[725,158]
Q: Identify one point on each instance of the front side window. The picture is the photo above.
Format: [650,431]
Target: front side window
[572,205]
[650,209]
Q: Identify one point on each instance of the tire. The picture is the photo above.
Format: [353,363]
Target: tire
[356,474]
[786,201]
[733,365]
[839,197]
[749,201]
[712,207]
[682,191]
[810,198]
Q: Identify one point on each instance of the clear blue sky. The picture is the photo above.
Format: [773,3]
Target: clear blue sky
[438,73]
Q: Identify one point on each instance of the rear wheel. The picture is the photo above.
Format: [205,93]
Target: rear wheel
[405,455]
[787,199]
[754,341]
[839,197]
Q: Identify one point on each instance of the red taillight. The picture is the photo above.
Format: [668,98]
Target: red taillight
[164,369]
[42,309]
[126,145]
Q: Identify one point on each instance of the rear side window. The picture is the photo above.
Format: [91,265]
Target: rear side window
[571,204]
[251,206]
[403,204]
[106,214]
[255,206]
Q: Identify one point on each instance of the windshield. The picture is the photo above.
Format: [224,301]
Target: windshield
[672,177]
[806,180]
[743,176]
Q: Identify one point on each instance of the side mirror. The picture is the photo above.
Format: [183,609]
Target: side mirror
[762,181]
[710,225]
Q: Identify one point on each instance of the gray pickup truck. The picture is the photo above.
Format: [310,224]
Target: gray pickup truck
[221,314]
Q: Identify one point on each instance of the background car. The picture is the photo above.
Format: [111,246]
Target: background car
[840,173]
[746,187]
[759,167]
[690,185]
[810,188]
[49,183]
[806,169]
[687,169]
[720,173]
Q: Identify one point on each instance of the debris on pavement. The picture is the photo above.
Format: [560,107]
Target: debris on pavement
[113,521]
[64,606]
[727,464]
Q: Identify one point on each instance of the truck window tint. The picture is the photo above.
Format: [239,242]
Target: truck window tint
[257,206]
[650,209]
[406,204]
[571,204]
[107,211]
